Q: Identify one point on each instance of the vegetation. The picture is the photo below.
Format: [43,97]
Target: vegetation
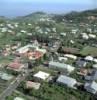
[89,51]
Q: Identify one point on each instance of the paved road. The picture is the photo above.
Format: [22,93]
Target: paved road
[8,91]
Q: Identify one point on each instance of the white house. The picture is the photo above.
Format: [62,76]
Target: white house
[65,80]
[42,75]
[24,49]
[63,34]
[18,98]
[71,56]
[62,58]
[91,87]
[95,66]
[95,60]
[92,36]
[23,31]
[89,58]
[71,41]
[41,50]
[85,36]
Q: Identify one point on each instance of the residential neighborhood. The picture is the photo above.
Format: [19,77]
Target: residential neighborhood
[49,57]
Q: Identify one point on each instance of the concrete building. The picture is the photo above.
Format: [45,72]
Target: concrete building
[61,66]
[65,80]
[42,75]
[30,85]
[18,98]
[91,87]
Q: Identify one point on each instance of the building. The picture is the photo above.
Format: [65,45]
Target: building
[95,60]
[30,85]
[83,72]
[24,49]
[89,58]
[95,66]
[5,76]
[81,63]
[71,56]
[31,51]
[41,50]
[65,80]
[16,66]
[91,87]
[18,98]
[62,58]
[92,76]
[42,75]
[33,55]
[61,66]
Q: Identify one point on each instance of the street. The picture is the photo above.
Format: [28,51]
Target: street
[8,91]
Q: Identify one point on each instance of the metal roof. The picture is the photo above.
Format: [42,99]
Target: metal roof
[66,80]
[61,65]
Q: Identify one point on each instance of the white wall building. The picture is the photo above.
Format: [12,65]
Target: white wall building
[42,75]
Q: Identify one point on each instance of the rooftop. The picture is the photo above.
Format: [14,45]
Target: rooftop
[34,85]
[42,75]
[67,80]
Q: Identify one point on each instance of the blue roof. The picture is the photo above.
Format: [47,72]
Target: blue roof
[66,80]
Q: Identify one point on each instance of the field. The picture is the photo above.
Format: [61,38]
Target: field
[89,51]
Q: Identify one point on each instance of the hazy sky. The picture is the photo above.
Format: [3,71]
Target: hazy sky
[12,8]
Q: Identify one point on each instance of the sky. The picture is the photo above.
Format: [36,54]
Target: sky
[13,8]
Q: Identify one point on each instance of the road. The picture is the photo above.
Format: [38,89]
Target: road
[8,91]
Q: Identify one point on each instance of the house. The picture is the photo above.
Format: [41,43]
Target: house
[63,34]
[95,60]
[89,58]
[65,80]
[81,63]
[62,58]
[92,36]
[16,66]
[83,72]
[92,76]
[95,66]
[34,55]
[5,76]
[61,66]
[91,87]
[74,31]
[24,49]
[35,85]
[23,31]
[18,98]
[41,50]
[71,56]
[42,75]
[72,42]
[85,36]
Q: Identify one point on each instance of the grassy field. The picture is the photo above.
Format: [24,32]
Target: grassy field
[89,51]
[16,95]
